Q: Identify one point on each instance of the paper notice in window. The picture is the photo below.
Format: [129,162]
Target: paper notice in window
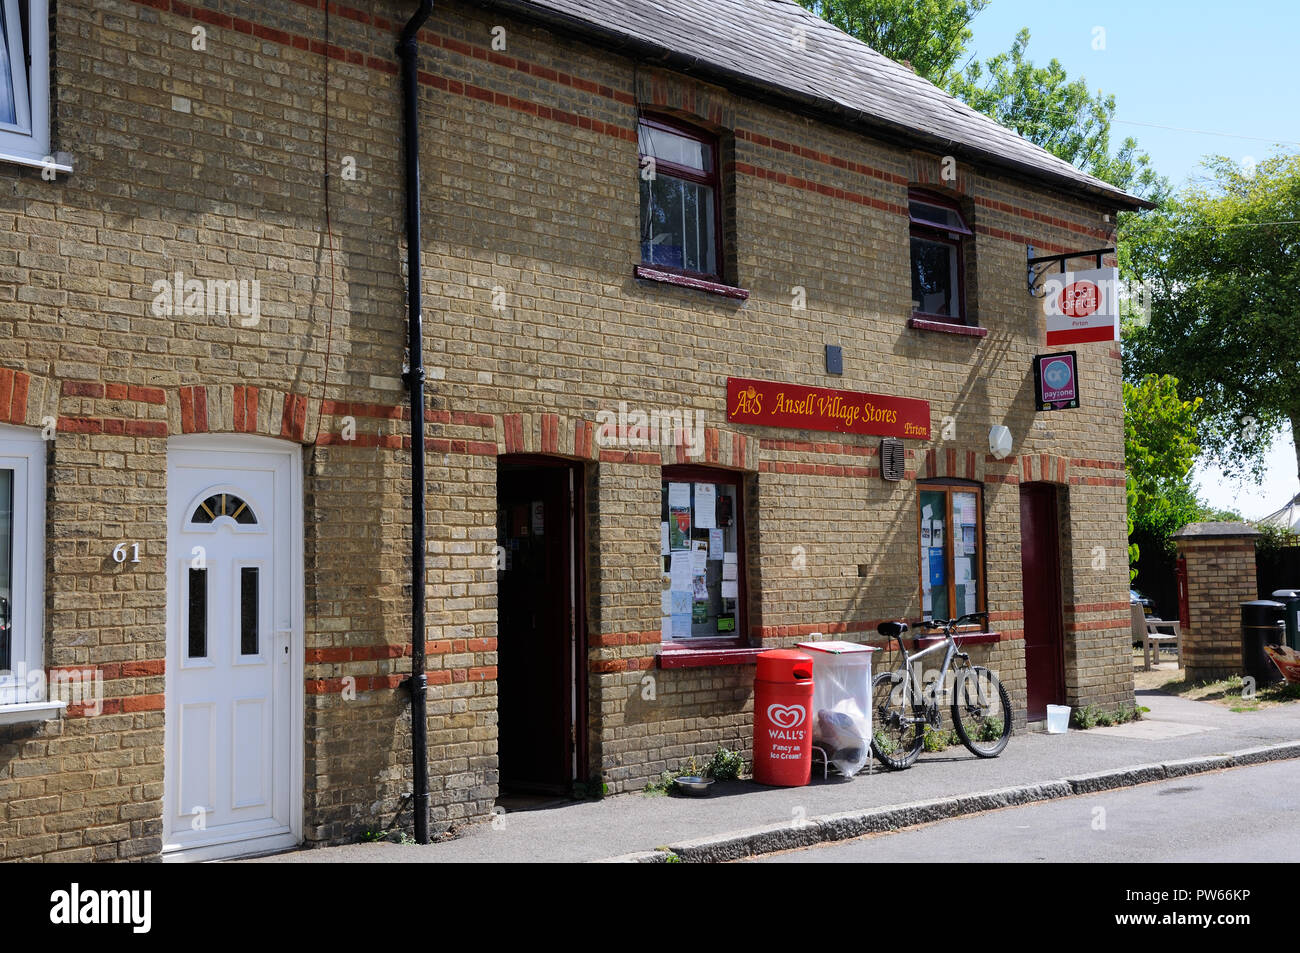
[730,589]
[706,505]
[666,602]
[963,568]
[663,538]
[679,495]
[729,571]
[681,602]
[666,626]
[699,557]
[715,544]
[681,571]
[682,626]
[970,599]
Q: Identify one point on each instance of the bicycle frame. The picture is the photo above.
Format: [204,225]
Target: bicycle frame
[949,645]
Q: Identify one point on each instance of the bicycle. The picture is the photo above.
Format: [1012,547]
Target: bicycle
[980,710]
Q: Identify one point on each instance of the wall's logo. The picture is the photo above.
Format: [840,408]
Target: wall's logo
[1080,299]
[786,716]
[77,906]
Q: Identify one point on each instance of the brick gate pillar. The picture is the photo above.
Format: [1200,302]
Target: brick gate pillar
[1220,576]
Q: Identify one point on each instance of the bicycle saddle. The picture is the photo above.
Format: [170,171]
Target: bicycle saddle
[892,630]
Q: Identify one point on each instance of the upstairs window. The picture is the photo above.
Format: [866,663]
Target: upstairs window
[681,223]
[24,81]
[939,238]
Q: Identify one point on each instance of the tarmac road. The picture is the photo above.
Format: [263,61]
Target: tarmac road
[1243,815]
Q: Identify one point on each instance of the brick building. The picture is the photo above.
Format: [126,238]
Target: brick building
[628,206]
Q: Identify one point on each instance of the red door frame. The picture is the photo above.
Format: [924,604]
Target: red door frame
[575,612]
[1044,621]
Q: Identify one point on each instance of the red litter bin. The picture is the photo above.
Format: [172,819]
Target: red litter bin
[783,691]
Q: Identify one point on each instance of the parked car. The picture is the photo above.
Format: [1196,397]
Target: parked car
[1147,606]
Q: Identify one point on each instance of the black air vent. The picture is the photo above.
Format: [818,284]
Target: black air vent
[891,459]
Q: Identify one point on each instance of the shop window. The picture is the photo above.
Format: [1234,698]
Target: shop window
[24,80]
[952,548]
[702,542]
[681,215]
[22,560]
[939,244]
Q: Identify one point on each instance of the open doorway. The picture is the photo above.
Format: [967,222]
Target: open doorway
[541,639]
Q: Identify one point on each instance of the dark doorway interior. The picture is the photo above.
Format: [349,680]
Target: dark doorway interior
[1040,566]
[541,692]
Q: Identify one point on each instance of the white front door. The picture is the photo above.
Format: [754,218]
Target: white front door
[234,647]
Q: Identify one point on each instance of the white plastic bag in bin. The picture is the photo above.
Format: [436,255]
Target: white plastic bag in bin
[842,702]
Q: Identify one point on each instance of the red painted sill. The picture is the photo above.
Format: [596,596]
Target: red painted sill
[686,281]
[922,323]
[677,655]
[963,638]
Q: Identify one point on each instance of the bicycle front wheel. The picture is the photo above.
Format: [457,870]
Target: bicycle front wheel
[981,712]
[897,722]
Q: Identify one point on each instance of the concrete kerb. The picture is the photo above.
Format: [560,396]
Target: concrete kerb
[846,825]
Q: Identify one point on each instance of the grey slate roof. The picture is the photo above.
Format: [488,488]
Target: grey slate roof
[748,45]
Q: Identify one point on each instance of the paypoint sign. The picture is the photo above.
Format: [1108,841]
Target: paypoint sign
[1082,306]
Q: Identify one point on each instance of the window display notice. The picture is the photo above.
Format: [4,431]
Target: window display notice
[679,516]
[701,565]
[706,506]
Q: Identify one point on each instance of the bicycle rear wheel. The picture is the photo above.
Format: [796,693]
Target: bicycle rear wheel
[981,711]
[897,721]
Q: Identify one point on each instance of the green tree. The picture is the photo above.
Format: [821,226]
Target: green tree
[1043,104]
[930,35]
[1159,450]
[1064,116]
[1222,266]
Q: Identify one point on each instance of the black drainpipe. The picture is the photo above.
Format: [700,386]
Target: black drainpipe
[408,51]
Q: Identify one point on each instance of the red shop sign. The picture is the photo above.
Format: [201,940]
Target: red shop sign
[769,404]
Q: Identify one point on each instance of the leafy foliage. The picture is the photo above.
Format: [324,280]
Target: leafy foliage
[1223,265]
[930,35]
[1041,103]
[1159,450]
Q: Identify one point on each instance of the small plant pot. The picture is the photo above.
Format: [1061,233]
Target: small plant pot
[694,786]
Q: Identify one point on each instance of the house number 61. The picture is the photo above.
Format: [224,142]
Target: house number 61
[119,552]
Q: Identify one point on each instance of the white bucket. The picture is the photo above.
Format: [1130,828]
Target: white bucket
[1058,719]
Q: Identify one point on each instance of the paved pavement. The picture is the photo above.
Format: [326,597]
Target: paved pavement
[630,823]
[1223,816]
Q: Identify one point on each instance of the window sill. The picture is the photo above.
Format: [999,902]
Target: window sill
[647,273]
[922,323]
[62,162]
[679,655]
[31,711]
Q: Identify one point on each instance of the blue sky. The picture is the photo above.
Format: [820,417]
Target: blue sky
[1227,69]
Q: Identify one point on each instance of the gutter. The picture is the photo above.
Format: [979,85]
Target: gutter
[781,96]
[408,52]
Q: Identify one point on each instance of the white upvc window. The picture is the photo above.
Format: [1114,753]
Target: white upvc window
[22,574]
[24,81]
